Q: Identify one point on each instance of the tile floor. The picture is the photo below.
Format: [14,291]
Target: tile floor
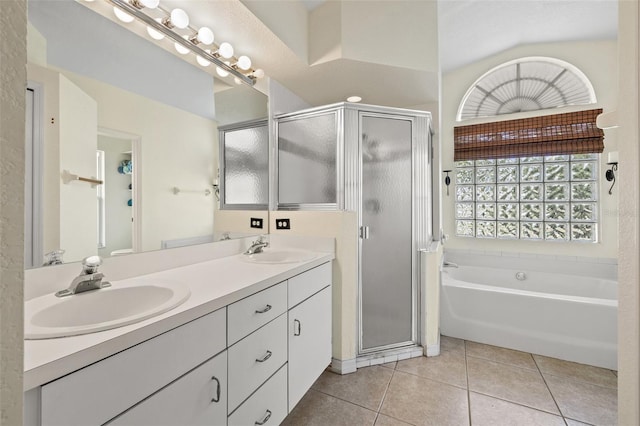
[469,383]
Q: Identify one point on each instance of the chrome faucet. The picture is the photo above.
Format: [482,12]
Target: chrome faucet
[89,279]
[53,258]
[257,246]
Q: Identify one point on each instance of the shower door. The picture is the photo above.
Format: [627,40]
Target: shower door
[387,275]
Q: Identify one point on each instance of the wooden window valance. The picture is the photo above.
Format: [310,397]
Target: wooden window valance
[568,133]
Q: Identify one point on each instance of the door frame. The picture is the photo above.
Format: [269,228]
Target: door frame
[34,254]
[136,182]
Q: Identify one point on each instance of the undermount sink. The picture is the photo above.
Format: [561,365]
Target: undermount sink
[97,310]
[280,256]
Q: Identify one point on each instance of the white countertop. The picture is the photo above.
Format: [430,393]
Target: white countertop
[213,284]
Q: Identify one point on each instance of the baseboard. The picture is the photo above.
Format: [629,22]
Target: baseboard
[432,350]
[343,366]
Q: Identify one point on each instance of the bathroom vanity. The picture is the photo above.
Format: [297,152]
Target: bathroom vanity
[242,350]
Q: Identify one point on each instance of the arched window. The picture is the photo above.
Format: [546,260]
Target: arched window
[526,84]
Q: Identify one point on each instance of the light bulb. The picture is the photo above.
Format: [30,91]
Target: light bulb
[180,48]
[150,4]
[202,61]
[205,36]
[354,99]
[154,34]
[225,50]
[259,73]
[244,63]
[237,81]
[178,19]
[221,72]
[123,16]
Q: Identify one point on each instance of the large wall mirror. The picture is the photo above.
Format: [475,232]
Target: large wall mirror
[108,105]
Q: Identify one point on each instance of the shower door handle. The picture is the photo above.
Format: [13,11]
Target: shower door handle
[364,232]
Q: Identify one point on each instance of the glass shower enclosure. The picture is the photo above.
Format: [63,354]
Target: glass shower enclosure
[375,161]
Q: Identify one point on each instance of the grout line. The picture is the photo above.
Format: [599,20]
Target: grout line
[574,380]
[518,403]
[506,363]
[386,389]
[342,399]
[549,389]
[429,378]
[466,373]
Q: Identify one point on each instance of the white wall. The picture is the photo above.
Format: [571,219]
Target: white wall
[629,234]
[178,148]
[13,33]
[597,60]
[78,115]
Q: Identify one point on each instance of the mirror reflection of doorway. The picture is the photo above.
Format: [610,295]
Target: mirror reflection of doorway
[116,197]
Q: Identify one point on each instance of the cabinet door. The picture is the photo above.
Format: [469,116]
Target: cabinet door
[309,343]
[198,398]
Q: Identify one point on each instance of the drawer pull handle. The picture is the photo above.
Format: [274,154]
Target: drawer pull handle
[217,397]
[265,357]
[263,310]
[297,333]
[265,419]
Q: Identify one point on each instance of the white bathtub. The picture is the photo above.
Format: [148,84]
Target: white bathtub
[566,316]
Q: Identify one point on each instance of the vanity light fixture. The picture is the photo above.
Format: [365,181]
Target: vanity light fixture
[202,61]
[178,18]
[610,174]
[155,34]
[225,50]
[204,36]
[123,16]
[175,26]
[150,4]
[180,48]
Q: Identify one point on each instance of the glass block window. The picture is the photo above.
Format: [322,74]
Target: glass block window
[551,198]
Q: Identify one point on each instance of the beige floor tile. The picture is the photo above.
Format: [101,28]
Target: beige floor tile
[365,387]
[585,402]
[519,385]
[318,409]
[575,371]
[503,355]
[383,420]
[488,411]
[448,367]
[391,365]
[451,344]
[420,401]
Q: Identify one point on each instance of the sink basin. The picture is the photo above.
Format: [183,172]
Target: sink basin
[50,316]
[280,256]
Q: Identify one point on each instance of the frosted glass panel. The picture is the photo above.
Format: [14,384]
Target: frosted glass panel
[387,253]
[307,160]
[246,166]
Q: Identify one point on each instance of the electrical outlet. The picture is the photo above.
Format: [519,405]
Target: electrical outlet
[256,222]
[283,224]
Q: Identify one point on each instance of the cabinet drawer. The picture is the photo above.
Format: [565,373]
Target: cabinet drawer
[255,358]
[253,312]
[198,398]
[268,406]
[99,392]
[308,283]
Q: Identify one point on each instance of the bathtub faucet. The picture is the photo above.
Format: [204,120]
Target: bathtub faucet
[449,265]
